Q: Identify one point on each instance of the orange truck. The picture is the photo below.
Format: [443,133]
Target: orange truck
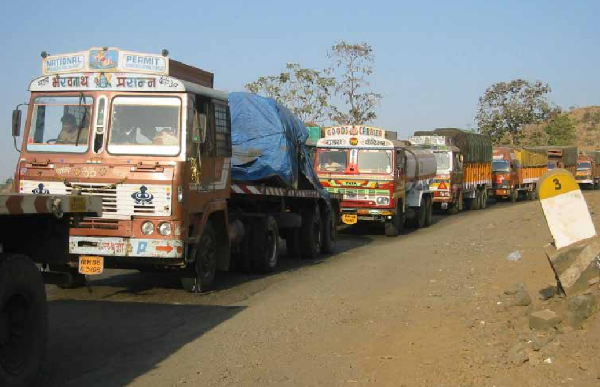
[381,180]
[153,138]
[588,169]
[515,171]
[464,167]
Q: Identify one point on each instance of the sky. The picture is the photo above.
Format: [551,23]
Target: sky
[433,60]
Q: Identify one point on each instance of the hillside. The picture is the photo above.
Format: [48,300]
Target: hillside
[587,127]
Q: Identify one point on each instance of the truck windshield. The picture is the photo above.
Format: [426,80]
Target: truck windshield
[583,166]
[145,126]
[375,161]
[333,160]
[60,124]
[500,166]
[443,160]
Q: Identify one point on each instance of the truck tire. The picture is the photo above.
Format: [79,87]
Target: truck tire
[514,195]
[264,245]
[395,225]
[23,321]
[428,212]
[473,204]
[310,233]
[202,276]
[329,232]
[484,198]
[419,220]
[72,279]
[292,243]
[243,259]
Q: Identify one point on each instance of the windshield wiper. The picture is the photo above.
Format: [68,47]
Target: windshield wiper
[81,99]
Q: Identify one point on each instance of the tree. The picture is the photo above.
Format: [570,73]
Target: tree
[354,63]
[561,131]
[506,107]
[304,91]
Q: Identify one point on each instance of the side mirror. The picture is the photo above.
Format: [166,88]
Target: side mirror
[16,123]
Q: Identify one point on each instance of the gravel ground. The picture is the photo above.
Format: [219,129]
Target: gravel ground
[424,309]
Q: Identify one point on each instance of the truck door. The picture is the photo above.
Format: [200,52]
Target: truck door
[201,159]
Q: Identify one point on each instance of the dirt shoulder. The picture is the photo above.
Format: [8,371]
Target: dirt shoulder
[425,309]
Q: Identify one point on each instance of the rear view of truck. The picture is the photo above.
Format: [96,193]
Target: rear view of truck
[515,171]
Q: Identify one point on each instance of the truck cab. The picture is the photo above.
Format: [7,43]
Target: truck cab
[147,134]
[379,178]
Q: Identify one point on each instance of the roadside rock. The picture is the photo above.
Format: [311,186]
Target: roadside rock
[548,293]
[543,320]
[540,340]
[518,296]
[517,355]
[581,308]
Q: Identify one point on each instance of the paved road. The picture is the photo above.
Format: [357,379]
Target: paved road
[383,311]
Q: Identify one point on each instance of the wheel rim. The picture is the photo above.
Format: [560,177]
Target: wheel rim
[16,338]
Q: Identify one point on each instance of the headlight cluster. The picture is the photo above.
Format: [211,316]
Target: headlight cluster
[382,200]
[164,228]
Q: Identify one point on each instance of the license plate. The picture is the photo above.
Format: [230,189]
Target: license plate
[91,265]
[77,203]
[349,218]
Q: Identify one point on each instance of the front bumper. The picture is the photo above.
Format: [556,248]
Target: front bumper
[126,247]
[585,180]
[369,214]
[501,192]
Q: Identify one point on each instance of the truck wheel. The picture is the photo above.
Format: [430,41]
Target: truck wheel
[243,260]
[514,195]
[329,232]
[428,212]
[473,204]
[202,277]
[23,321]
[484,198]
[421,213]
[292,243]
[72,279]
[394,226]
[310,233]
[265,244]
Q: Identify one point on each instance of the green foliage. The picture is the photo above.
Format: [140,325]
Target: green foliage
[305,92]
[561,131]
[506,107]
[353,63]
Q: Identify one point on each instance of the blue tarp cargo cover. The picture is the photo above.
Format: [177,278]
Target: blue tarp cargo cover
[268,143]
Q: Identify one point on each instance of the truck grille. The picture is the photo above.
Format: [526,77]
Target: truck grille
[120,202]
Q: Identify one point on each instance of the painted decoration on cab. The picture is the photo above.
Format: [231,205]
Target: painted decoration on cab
[40,190]
[142,196]
[104,59]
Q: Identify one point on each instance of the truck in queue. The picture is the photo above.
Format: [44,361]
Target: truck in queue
[588,169]
[381,180]
[516,171]
[33,229]
[561,157]
[182,188]
[464,167]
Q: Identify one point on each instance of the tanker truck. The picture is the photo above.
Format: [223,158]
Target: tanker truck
[381,180]
[464,167]
[192,179]
[516,171]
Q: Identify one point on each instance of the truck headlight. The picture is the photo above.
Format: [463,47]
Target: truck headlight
[147,228]
[383,200]
[164,228]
